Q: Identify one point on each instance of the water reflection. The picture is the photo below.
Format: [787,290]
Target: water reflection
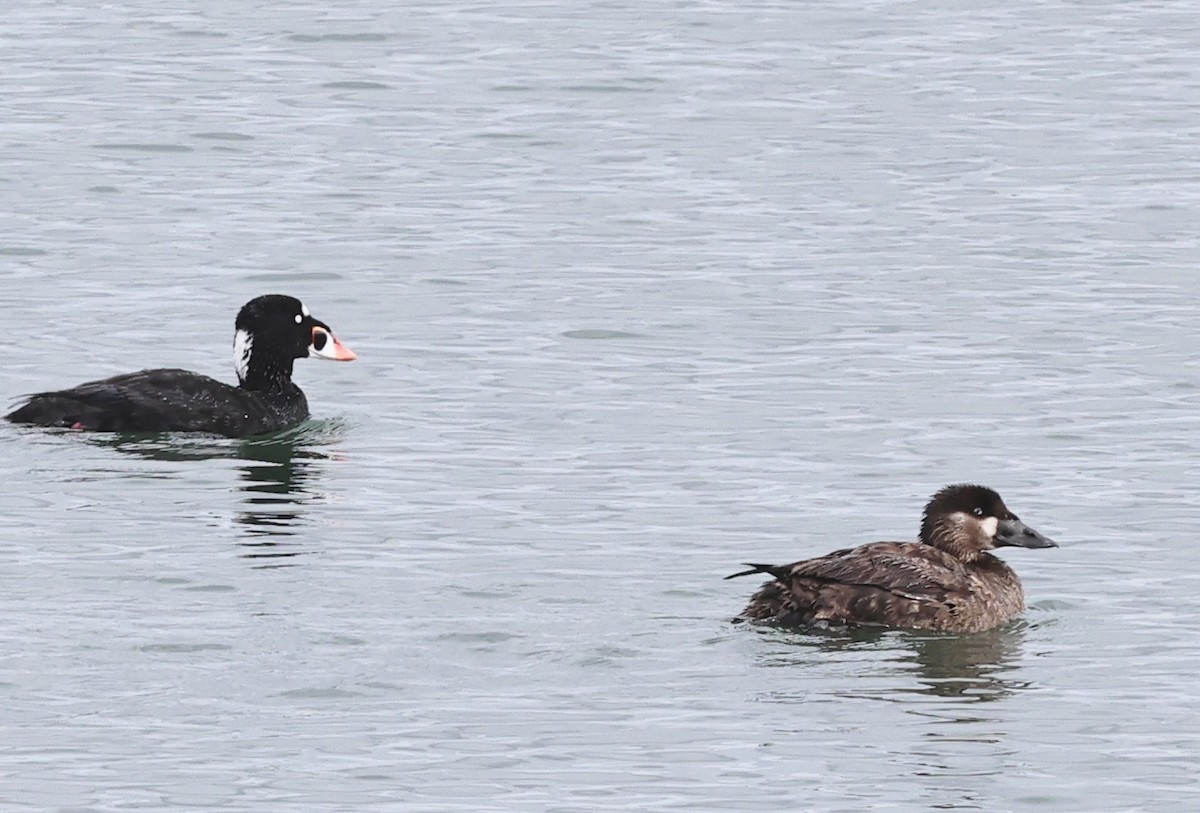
[978,666]
[974,667]
[277,482]
[277,476]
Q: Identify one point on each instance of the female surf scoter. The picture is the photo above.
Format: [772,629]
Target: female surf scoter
[271,332]
[947,581]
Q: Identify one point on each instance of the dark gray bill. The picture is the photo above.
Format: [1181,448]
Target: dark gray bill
[1013,532]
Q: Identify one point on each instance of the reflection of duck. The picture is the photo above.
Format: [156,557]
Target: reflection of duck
[946,581]
[271,332]
[971,667]
[274,478]
[274,471]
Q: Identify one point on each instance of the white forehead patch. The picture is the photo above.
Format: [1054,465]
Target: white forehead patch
[243,344]
[304,309]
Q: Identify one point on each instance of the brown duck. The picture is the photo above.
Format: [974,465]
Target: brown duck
[947,581]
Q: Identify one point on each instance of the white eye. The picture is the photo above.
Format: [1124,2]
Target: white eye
[299,318]
[977,512]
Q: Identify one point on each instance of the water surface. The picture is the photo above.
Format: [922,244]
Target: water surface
[640,293]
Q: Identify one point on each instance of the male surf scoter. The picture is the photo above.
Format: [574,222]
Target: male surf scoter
[271,332]
[947,581]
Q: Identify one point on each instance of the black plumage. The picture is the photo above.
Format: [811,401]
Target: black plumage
[271,332]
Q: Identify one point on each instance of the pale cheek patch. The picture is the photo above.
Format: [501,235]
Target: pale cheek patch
[243,345]
[990,526]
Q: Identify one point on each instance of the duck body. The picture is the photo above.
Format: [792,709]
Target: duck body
[271,332]
[167,400]
[894,584]
[946,582]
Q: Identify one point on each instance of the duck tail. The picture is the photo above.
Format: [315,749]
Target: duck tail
[778,571]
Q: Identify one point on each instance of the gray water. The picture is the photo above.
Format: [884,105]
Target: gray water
[640,292]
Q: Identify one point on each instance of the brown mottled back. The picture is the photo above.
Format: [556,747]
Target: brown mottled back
[898,584]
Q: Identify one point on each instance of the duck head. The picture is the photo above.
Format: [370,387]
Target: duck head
[271,332]
[967,520]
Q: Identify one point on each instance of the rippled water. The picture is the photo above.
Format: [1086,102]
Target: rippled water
[640,293]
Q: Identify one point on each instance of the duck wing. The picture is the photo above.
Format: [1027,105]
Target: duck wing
[908,569]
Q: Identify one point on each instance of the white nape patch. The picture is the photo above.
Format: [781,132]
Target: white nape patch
[243,344]
[990,526]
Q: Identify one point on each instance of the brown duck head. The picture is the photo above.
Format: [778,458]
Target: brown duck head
[966,520]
